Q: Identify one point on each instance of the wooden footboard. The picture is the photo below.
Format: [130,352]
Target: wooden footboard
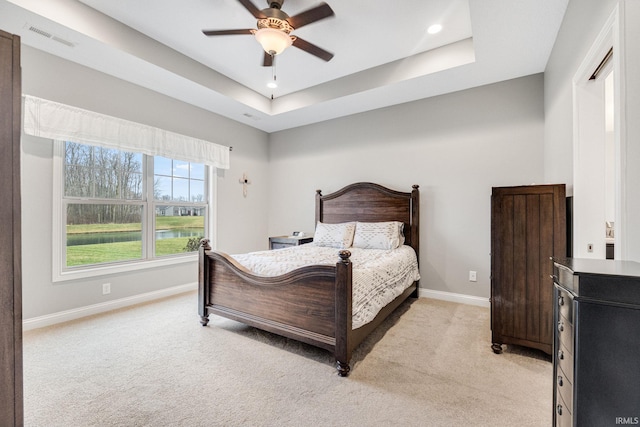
[311,304]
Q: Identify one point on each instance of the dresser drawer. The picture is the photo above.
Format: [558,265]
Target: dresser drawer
[565,333]
[564,388]
[564,276]
[565,304]
[564,417]
[565,361]
[278,245]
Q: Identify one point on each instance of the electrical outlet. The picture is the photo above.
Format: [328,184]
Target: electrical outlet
[106,288]
[473,276]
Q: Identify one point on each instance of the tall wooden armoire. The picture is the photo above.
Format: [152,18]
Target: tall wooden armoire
[528,227]
[11,397]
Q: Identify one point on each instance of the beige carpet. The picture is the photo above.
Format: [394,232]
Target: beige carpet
[154,365]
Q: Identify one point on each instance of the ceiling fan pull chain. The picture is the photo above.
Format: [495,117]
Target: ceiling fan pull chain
[273,69]
[273,74]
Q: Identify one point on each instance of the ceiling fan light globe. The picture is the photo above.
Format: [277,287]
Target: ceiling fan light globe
[273,41]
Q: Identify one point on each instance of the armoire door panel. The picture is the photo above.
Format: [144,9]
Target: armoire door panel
[532,270]
[504,292]
[519,264]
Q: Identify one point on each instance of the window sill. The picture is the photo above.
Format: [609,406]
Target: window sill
[104,270]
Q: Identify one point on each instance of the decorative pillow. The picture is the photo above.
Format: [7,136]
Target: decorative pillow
[378,235]
[334,235]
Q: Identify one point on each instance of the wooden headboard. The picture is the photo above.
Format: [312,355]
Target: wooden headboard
[369,202]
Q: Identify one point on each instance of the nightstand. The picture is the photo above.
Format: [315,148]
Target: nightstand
[278,242]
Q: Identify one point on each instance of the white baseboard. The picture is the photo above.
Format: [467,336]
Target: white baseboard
[77,313]
[450,296]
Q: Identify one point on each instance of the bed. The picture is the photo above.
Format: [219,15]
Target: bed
[314,303]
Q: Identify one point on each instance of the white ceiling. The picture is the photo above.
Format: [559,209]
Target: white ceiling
[383,54]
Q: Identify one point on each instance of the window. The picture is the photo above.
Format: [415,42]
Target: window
[119,207]
[179,204]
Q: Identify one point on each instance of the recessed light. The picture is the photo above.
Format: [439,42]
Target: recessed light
[434,29]
[272,84]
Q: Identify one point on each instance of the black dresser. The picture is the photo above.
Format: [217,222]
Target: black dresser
[596,361]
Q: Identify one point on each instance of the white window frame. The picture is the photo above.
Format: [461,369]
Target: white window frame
[61,273]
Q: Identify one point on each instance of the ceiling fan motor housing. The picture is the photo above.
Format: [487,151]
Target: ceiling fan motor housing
[277,4]
[275,14]
[276,24]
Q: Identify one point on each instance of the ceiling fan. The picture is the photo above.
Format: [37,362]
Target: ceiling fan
[275,27]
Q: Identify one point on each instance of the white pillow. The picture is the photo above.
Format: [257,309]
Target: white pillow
[378,235]
[334,235]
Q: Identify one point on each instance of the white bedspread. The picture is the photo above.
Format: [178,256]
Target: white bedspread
[378,275]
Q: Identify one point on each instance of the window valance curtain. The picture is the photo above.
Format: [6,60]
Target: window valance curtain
[48,119]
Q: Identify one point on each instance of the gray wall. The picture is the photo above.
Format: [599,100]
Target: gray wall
[456,147]
[243,223]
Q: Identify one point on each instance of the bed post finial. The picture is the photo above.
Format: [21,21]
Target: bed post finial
[205,244]
[344,256]
[319,192]
[415,186]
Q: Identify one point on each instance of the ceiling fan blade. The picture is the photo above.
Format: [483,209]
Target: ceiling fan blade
[268,60]
[312,15]
[225,32]
[257,13]
[312,49]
